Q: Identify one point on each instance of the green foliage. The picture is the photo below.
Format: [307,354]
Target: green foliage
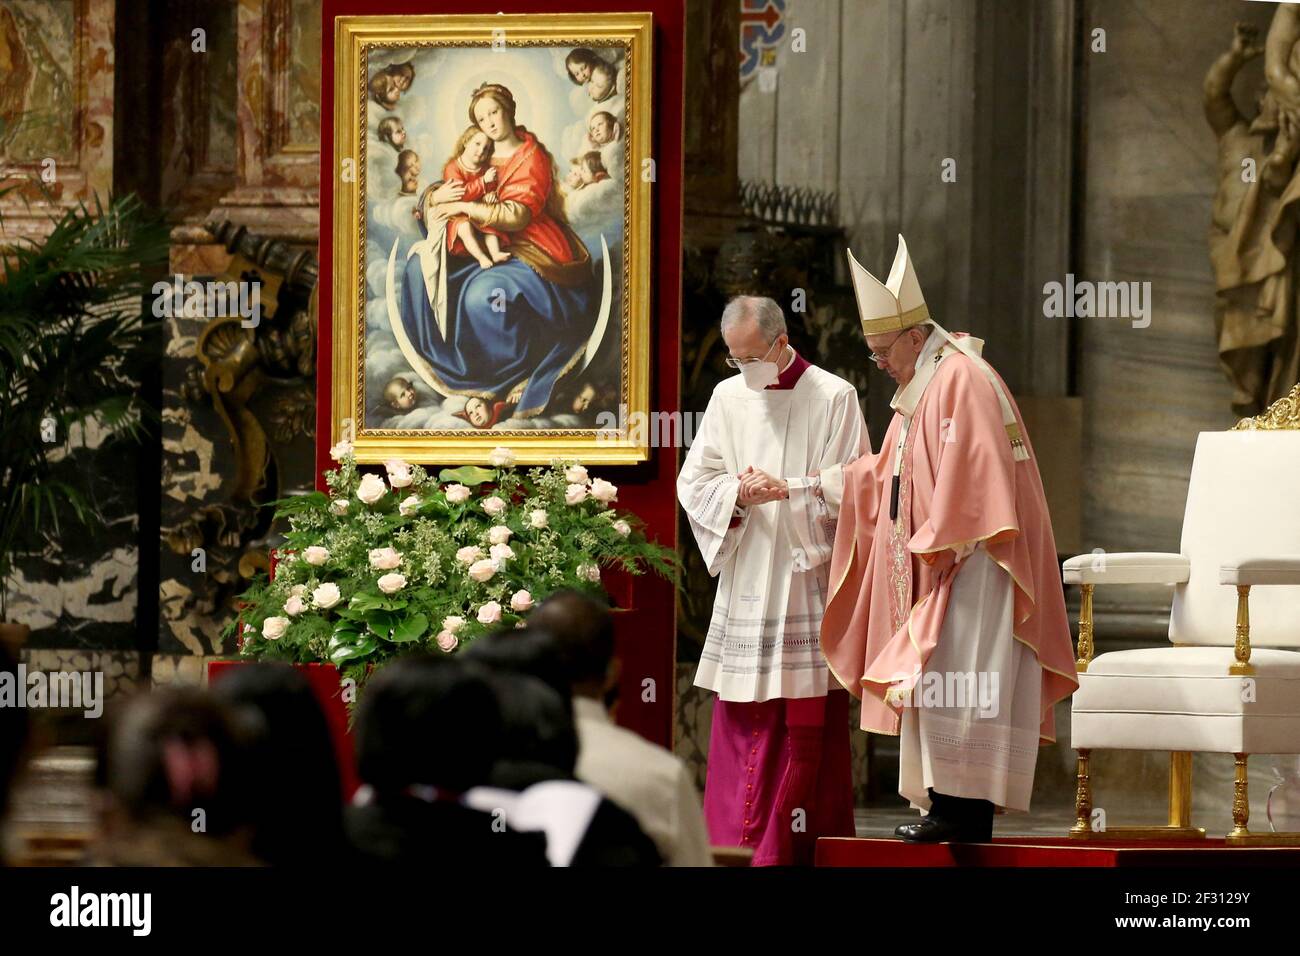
[74,342]
[469,475]
[440,530]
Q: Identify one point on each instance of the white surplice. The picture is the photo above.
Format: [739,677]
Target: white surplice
[763,639]
[971,751]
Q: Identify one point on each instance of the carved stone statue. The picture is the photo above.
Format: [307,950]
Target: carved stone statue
[1254,220]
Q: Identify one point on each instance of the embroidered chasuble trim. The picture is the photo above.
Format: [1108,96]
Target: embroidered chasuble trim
[853,558]
[867,679]
[852,687]
[982,539]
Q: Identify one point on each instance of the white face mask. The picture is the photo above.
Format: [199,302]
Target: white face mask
[759,375]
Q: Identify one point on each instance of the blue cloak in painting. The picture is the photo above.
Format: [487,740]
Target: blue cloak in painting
[507,327]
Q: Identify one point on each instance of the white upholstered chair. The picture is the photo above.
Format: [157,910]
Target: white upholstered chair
[1230,680]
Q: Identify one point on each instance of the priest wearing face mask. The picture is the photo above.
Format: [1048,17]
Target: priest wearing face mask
[947,614]
[761,487]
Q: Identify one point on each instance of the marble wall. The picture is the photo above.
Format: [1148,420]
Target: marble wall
[80,590]
[924,115]
[1147,182]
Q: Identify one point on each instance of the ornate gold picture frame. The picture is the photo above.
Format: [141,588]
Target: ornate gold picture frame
[491,245]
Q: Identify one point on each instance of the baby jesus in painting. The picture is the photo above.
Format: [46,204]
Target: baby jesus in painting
[471,164]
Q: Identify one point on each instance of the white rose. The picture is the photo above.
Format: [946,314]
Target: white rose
[452,623]
[392,582]
[589,571]
[371,489]
[399,473]
[501,552]
[447,641]
[339,506]
[341,450]
[622,527]
[469,554]
[604,491]
[273,628]
[575,494]
[384,559]
[521,601]
[294,606]
[501,457]
[409,505]
[316,555]
[537,519]
[575,474]
[484,570]
[298,590]
[499,534]
[456,493]
[326,596]
[494,505]
[489,613]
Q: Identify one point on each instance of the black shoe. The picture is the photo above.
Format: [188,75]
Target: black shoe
[937,830]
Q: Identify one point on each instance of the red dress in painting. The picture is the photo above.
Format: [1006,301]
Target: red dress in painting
[475,189]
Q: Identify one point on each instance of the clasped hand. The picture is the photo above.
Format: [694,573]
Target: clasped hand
[757,487]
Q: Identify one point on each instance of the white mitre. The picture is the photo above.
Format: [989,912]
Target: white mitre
[898,304]
[893,305]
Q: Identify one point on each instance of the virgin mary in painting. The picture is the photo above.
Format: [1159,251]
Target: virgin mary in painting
[504,332]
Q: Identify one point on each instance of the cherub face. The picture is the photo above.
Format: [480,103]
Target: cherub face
[600,130]
[491,118]
[398,136]
[405,399]
[477,411]
[472,155]
[600,83]
[582,401]
[402,81]
[581,72]
[574,178]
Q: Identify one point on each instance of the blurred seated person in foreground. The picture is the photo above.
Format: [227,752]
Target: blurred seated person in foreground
[177,788]
[428,730]
[292,759]
[533,781]
[645,779]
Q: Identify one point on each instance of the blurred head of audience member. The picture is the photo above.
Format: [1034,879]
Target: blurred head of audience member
[530,650]
[290,756]
[427,730]
[175,769]
[13,740]
[426,721]
[582,630]
[540,744]
[539,741]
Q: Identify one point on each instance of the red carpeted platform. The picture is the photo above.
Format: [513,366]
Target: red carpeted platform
[1048,851]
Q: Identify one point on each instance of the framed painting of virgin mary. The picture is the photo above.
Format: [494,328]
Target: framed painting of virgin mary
[491,240]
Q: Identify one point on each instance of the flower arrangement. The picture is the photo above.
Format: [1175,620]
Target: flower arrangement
[379,568]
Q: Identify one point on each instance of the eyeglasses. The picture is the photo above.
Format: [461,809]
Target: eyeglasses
[742,362]
[884,356]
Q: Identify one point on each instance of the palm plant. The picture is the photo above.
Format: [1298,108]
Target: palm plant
[73,343]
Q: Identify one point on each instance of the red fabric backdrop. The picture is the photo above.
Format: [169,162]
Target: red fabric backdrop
[647,633]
